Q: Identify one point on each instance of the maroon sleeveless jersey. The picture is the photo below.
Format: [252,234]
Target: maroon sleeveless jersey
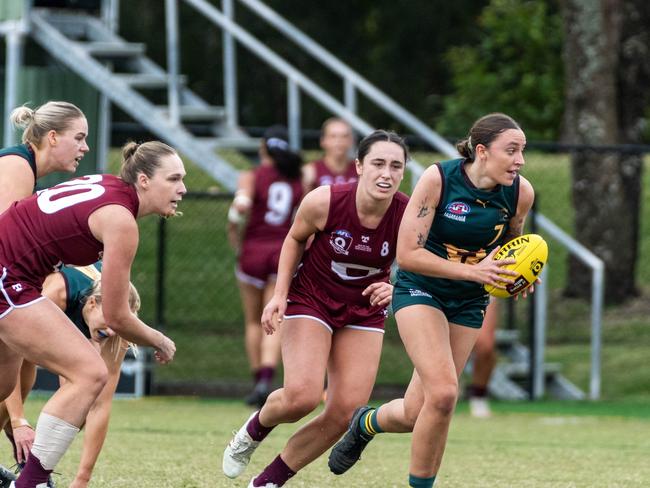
[325,177]
[275,201]
[345,256]
[50,228]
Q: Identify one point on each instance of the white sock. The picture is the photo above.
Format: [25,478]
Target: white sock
[53,437]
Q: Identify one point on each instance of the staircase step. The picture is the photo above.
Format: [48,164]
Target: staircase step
[197,113]
[146,80]
[522,370]
[243,143]
[113,50]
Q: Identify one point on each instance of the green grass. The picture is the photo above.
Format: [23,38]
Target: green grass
[178,442]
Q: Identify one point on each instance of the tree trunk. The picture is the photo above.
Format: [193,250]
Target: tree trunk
[600,110]
[633,98]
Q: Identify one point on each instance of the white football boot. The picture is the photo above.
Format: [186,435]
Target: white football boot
[238,453]
[479,408]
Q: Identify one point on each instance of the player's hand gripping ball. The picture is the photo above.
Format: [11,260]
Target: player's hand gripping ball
[531,253]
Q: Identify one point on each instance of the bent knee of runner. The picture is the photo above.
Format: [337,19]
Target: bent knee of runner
[337,417]
[441,399]
[299,402]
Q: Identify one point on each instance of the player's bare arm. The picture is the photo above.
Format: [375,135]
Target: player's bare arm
[54,289]
[308,176]
[414,229]
[117,229]
[310,218]
[525,203]
[16,181]
[240,207]
[245,192]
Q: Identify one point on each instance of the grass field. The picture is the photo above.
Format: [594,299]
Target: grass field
[162,442]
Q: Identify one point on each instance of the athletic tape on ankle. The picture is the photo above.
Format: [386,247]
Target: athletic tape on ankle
[53,437]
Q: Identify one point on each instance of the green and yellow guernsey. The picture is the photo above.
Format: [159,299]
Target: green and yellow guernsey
[79,282]
[468,224]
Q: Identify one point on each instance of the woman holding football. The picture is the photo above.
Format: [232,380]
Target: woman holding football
[460,212]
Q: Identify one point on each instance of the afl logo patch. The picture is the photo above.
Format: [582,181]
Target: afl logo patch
[341,240]
[458,208]
[457,211]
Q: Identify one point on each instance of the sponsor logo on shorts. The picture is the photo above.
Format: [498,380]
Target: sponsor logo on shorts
[457,211]
[17,287]
[414,292]
[341,240]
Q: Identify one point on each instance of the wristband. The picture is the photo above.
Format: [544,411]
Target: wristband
[21,422]
[234,217]
[242,201]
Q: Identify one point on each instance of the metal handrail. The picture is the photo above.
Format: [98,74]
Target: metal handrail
[350,76]
[597,295]
[279,64]
[296,79]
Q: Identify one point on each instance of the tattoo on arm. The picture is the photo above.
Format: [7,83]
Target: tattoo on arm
[424,209]
[421,239]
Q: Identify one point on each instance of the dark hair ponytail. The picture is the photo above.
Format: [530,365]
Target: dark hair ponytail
[484,131]
[287,162]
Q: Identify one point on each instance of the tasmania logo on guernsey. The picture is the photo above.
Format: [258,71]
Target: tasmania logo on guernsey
[457,211]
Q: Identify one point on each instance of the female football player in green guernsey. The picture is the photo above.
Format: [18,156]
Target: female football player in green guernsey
[78,292]
[460,212]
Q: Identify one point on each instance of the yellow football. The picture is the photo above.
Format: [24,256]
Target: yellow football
[531,253]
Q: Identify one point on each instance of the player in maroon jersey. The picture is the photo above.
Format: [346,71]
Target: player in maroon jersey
[53,139]
[268,196]
[77,222]
[335,167]
[332,312]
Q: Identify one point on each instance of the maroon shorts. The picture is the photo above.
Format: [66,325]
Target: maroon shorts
[16,293]
[258,262]
[335,315]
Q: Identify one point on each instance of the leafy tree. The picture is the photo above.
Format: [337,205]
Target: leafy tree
[516,67]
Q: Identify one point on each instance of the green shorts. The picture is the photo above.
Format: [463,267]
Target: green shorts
[468,312]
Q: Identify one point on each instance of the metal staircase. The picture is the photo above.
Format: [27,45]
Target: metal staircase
[510,379]
[87,47]
[124,76]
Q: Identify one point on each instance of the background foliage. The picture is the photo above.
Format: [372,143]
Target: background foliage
[516,68]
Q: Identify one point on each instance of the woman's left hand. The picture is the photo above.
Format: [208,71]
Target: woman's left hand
[381,293]
[530,290]
[23,440]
